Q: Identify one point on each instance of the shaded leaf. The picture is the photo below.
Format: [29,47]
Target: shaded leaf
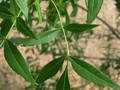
[5,13]
[23,28]
[79,28]
[50,70]
[63,83]
[94,7]
[44,37]
[90,73]
[16,61]
[39,11]
[23,6]
[5,27]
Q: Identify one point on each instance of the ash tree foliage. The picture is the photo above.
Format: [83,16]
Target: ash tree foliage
[17,13]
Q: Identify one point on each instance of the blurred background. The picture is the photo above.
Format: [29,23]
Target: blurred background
[99,47]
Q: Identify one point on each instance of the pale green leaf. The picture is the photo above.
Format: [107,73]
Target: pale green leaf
[23,6]
[43,37]
[39,10]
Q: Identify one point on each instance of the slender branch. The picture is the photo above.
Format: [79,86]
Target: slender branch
[61,24]
[104,22]
[9,30]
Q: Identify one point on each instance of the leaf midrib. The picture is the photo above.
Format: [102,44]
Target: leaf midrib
[17,62]
[93,74]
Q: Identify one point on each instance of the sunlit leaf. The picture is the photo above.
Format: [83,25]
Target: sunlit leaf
[39,11]
[44,37]
[63,83]
[93,7]
[24,29]
[5,13]
[50,70]
[23,6]
[16,61]
[92,74]
[79,28]
[14,8]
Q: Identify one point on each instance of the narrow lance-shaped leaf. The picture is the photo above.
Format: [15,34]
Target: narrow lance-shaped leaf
[79,28]
[5,13]
[39,11]
[5,27]
[44,37]
[94,7]
[14,8]
[16,61]
[23,6]
[50,70]
[90,73]
[63,83]
[24,29]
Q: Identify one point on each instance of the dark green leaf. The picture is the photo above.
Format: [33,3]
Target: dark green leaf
[39,11]
[63,83]
[23,28]
[2,36]
[79,28]
[5,13]
[94,7]
[90,73]
[75,8]
[44,37]
[23,6]
[50,70]
[5,27]
[16,61]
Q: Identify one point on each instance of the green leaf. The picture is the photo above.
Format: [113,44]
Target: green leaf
[23,6]
[50,70]
[94,7]
[63,83]
[75,8]
[16,61]
[44,37]
[90,73]
[14,8]
[5,13]
[24,29]
[79,28]
[5,27]
[39,10]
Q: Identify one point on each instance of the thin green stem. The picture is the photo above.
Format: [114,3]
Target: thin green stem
[61,24]
[9,30]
